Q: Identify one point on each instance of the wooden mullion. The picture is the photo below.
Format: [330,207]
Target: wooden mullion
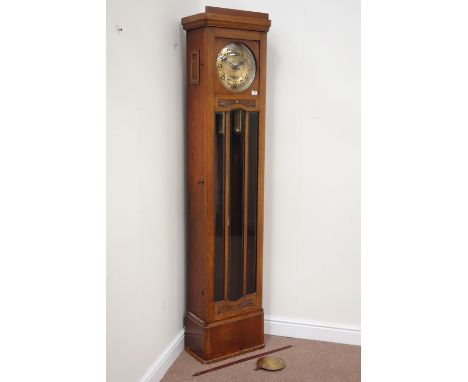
[246,180]
[227,151]
[261,170]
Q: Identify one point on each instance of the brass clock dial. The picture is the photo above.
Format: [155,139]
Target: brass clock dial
[235,65]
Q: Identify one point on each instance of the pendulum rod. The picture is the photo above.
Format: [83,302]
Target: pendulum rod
[240,360]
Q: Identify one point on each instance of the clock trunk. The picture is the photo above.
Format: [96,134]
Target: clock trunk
[225,155]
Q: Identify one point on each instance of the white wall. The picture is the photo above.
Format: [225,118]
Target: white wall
[145,189]
[312,178]
[312,262]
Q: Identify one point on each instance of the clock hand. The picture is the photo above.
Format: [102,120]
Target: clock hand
[236,66]
[231,64]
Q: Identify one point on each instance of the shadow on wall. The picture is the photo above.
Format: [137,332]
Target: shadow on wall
[183,92]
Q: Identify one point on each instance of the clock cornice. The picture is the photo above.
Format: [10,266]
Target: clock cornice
[228,18]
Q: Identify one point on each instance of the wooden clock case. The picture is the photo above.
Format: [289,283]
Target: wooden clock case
[220,327]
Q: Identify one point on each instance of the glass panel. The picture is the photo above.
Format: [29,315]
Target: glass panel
[236,205]
[219,206]
[252,186]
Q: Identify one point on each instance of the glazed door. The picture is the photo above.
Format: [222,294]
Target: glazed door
[236,196]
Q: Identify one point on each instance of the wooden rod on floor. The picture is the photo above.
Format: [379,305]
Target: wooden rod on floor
[240,360]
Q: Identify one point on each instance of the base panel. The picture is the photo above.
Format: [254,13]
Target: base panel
[212,342]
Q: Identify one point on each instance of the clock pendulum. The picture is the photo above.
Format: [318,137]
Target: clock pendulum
[226,78]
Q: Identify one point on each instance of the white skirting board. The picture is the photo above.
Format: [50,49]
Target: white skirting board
[165,360]
[320,331]
[277,326]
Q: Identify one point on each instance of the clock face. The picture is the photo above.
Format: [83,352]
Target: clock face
[236,67]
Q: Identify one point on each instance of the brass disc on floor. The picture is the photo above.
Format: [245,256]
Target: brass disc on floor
[270,363]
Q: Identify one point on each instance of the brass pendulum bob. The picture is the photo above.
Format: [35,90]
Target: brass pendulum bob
[270,363]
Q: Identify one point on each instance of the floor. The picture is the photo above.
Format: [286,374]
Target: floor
[312,361]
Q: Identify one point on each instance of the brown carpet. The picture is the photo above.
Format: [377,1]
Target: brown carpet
[312,361]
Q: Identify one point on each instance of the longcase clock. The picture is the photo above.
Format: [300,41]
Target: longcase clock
[226,63]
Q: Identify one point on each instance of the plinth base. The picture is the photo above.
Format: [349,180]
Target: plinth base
[211,342]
